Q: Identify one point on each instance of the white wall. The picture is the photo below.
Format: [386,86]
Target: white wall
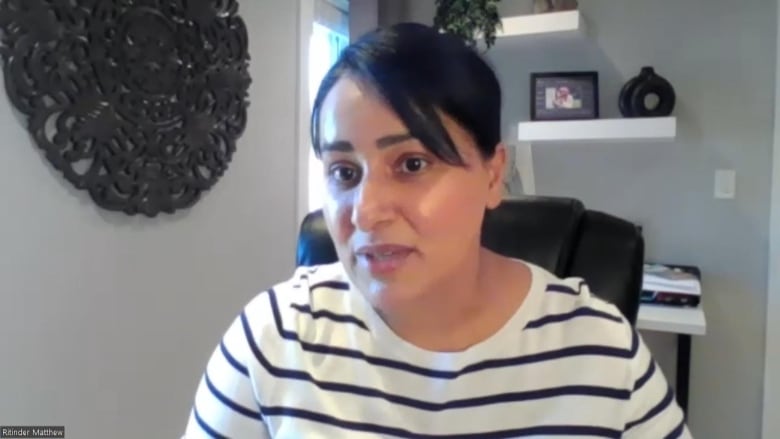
[720,56]
[107,321]
[772,367]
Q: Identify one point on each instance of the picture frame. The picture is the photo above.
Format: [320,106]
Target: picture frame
[564,95]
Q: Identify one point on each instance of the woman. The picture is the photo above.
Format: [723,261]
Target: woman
[418,331]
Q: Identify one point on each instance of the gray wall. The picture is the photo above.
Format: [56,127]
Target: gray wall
[363,16]
[392,11]
[720,56]
[772,366]
[107,321]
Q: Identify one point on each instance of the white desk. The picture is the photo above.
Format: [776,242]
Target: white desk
[684,322]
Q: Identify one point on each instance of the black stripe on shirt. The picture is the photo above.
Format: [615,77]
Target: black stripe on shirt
[607,351]
[645,376]
[206,427]
[333,284]
[571,351]
[565,289]
[677,432]
[232,360]
[330,315]
[658,408]
[548,430]
[579,312]
[229,403]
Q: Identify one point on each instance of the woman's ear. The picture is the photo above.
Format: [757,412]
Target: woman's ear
[496,170]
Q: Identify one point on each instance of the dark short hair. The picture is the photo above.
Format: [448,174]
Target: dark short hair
[419,71]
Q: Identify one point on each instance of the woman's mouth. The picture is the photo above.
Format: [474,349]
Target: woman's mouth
[383,260]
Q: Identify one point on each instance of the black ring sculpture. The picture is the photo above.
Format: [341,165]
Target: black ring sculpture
[632,101]
[138,102]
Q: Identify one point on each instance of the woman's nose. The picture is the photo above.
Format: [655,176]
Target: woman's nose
[373,203]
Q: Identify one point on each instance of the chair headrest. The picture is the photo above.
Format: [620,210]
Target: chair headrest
[540,230]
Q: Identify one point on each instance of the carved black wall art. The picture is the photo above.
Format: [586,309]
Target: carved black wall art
[138,102]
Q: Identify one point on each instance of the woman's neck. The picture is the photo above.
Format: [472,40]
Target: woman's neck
[464,309]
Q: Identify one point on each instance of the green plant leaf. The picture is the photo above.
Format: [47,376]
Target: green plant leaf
[469,18]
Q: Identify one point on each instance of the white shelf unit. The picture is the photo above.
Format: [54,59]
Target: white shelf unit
[599,130]
[552,24]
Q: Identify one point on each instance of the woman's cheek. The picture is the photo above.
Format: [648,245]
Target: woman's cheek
[443,201]
[338,211]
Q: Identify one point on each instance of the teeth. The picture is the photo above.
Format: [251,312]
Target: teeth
[384,255]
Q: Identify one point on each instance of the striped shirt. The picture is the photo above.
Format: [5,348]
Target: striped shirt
[310,358]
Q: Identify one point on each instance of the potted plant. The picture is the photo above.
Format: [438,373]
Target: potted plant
[469,19]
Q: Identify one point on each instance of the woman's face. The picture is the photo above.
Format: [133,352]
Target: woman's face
[403,221]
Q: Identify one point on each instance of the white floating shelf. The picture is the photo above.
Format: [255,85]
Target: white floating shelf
[677,320]
[599,130]
[552,24]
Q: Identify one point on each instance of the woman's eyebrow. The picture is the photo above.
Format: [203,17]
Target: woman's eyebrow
[338,145]
[381,143]
[393,139]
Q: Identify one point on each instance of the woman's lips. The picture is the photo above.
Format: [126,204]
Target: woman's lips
[385,259]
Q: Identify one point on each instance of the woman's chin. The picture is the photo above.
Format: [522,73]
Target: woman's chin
[388,296]
[387,292]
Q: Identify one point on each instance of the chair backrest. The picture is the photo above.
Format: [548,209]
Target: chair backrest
[558,234]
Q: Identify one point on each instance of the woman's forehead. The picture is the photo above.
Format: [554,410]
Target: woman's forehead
[352,108]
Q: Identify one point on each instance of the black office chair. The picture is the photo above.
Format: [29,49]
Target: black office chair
[558,234]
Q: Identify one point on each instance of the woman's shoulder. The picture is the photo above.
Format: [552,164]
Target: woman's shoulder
[568,305]
[272,317]
[277,309]
[298,288]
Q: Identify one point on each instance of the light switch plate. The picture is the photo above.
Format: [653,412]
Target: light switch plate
[725,184]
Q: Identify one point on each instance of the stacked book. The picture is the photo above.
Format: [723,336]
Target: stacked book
[674,285]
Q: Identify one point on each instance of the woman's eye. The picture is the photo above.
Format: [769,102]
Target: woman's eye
[343,174]
[413,165]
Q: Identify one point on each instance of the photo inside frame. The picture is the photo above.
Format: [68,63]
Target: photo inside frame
[565,97]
